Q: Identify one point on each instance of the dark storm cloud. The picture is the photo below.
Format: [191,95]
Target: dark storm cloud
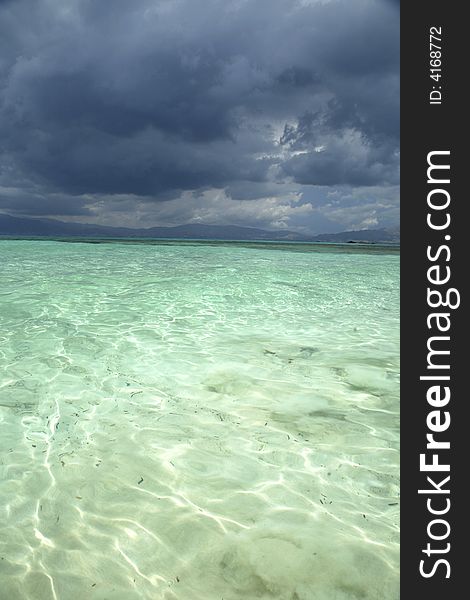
[156,97]
[33,205]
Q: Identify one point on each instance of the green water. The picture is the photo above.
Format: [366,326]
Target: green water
[198,422]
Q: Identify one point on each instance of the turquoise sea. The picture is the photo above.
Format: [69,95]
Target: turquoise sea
[198,421]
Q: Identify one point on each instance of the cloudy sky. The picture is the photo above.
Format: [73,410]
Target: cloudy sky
[266,113]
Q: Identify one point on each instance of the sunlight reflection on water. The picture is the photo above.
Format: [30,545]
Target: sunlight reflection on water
[198,422]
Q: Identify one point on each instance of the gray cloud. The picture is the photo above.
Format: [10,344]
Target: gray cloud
[155,99]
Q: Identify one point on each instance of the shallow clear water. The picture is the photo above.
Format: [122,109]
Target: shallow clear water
[198,422]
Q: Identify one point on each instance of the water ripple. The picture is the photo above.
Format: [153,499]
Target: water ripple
[198,422]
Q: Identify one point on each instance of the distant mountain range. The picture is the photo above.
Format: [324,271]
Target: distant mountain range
[389,236]
[28,227]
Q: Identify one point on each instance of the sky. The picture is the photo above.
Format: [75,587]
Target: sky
[265,113]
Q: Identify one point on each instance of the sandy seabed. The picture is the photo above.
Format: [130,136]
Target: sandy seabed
[198,422]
